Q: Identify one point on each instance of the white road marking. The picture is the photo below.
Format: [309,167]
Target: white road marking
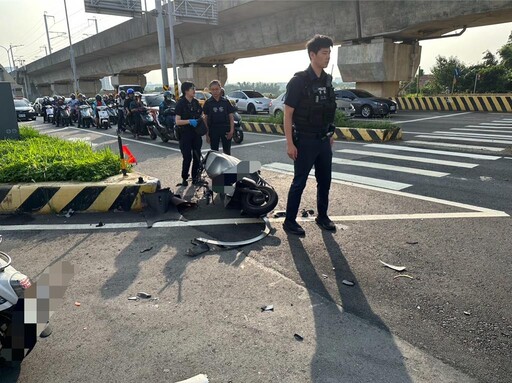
[409,158]
[485,130]
[393,168]
[288,168]
[496,123]
[473,134]
[462,146]
[485,127]
[431,151]
[466,139]
[258,143]
[431,118]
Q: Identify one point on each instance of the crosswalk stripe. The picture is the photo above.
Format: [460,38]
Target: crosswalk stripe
[409,158]
[432,151]
[467,139]
[385,184]
[393,168]
[496,123]
[485,127]
[473,134]
[461,146]
[481,130]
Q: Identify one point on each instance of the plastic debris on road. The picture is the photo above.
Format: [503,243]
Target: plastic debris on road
[133,298]
[393,267]
[148,249]
[298,337]
[144,295]
[347,282]
[267,308]
[403,276]
[201,378]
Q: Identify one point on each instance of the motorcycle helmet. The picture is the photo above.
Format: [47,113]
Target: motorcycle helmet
[167,96]
[122,94]
[130,91]
[98,97]
[138,94]
[72,95]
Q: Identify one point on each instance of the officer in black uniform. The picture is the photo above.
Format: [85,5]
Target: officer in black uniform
[219,118]
[310,106]
[188,112]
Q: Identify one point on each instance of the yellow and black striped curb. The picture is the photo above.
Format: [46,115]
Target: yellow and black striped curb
[115,193]
[360,134]
[378,135]
[457,103]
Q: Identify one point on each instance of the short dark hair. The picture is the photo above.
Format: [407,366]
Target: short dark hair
[318,42]
[186,86]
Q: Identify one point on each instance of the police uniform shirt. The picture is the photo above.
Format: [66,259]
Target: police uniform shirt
[295,89]
[188,110]
[218,113]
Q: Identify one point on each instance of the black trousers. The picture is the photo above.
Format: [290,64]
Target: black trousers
[317,152]
[216,135]
[120,119]
[190,146]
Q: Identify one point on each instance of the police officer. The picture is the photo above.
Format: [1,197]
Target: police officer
[136,108]
[188,113]
[310,106]
[219,118]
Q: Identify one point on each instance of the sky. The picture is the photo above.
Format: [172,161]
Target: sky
[23,24]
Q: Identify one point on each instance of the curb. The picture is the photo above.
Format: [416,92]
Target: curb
[114,193]
[373,135]
[501,104]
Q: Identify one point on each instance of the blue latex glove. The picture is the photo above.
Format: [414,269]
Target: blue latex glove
[193,123]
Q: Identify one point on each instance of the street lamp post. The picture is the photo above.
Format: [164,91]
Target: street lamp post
[8,56]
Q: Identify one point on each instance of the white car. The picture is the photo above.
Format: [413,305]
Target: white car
[276,105]
[250,101]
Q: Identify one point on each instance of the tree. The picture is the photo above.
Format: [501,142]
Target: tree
[505,53]
[490,59]
[444,71]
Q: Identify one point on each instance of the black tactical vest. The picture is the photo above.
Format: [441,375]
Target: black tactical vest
[317,106]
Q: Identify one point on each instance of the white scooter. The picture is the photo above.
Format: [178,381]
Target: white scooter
[104,117]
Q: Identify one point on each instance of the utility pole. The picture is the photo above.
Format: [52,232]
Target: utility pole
[161,43]
[8,56]
[170,14]
[71,52]
[47,33]
[95,23]
[45,50]
[12,55]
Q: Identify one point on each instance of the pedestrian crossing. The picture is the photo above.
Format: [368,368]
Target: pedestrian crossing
[418,161]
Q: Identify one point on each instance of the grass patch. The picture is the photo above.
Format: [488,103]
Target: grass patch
[40,158]
[339,120]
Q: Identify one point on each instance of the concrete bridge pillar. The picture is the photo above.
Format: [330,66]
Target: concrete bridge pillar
[62,88]
[89,87]
[128,79]
[44,90]
[202,74]
[380,65]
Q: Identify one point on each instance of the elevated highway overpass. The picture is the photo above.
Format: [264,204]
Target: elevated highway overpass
[380,41]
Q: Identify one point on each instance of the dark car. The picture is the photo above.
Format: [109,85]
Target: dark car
[366,104]
[24,111]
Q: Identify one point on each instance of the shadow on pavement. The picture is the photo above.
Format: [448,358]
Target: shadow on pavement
[346,350]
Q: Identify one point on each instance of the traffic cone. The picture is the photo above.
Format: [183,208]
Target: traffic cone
[129,154]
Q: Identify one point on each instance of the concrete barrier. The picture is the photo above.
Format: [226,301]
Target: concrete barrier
[457,103]
[115,193]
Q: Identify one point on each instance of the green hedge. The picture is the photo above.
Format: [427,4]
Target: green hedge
[39,158]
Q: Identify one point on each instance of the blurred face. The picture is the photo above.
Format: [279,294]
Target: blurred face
[215,91]
[191,92]
[321,59]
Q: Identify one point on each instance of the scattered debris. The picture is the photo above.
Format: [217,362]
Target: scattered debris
[133,298]
[467,313]
[298,337]
[484,178]
[267,308]
[198,248]
[167,370]
[347,282]
[247,319]
[418,307]
[306,213]
[201,378]
[148,249]
[100,224]
[279,214]
[241,253]
[412,242]
[78,304]
[144,295]
[403,276]
[324,276]
[396,268]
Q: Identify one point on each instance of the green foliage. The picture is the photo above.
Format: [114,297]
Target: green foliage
[39,158]
[262,87]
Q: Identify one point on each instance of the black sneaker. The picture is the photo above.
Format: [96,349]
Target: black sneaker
[292,227]
[325,223]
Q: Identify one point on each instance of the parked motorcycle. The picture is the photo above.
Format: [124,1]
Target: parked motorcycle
[63,116]
[238,136]
[86,116]
[112,114]
[147,125]
[104,118]
[238,182]
[166,127]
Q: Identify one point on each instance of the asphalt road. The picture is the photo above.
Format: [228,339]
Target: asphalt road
[443,215]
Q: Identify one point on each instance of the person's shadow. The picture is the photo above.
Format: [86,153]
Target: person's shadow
[347,349]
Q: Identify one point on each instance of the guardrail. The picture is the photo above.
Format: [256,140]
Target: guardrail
[457,103]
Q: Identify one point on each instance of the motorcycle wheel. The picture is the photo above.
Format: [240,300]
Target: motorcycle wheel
[151,132]
[260,205]
[88,124]
[105,125]
[238,137]
[165,139]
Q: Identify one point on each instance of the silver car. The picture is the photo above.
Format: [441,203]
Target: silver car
[250,101]
[276,105]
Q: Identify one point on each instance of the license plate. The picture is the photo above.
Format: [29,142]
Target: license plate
[22,115]
[50,115]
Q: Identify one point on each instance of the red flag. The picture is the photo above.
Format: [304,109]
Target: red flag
[128,153]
